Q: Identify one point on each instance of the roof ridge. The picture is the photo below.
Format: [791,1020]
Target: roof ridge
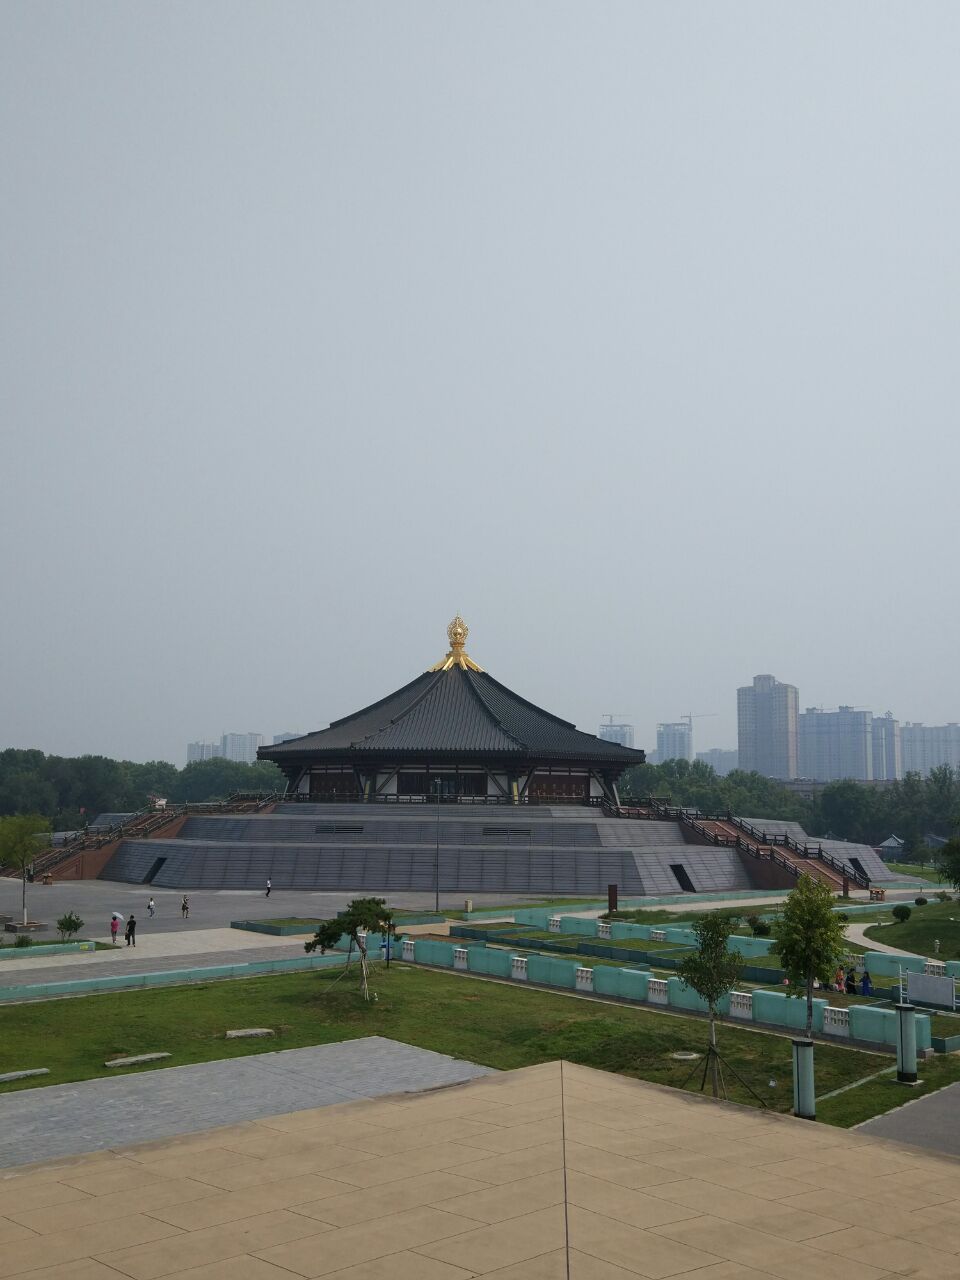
[489,710]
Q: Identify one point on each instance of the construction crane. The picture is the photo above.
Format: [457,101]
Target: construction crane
[700,715]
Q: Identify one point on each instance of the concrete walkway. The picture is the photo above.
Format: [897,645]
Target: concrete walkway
[857,933]
[94,1115]
[929,1122]
[200,943]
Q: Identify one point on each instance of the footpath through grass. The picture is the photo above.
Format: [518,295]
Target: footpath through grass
[494,1024]
[937,920]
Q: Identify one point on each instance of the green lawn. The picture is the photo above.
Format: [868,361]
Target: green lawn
[878,1096]
[935,920]
[491,1023]
[915,870]
[309,924]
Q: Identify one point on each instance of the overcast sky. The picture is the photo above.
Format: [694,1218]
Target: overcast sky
[629,330]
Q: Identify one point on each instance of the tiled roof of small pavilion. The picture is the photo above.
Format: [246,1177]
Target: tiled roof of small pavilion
[457,709]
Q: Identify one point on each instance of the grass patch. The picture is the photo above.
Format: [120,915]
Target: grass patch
[879,1096]
[935,920]
[915,871]
[490,1023]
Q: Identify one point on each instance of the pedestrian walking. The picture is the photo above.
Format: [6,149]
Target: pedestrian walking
[114,928]
[131,933]
[151,908]
[269,887]
[185,907]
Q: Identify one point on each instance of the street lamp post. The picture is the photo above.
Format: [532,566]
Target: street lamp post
[437,787]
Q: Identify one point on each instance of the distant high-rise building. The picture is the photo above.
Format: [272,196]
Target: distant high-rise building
[887,751]
[285,737]
[926,747]
[241,747]
[835,744]
[767,727]
[721,760]
[202,751]
[675,741]
[622,733]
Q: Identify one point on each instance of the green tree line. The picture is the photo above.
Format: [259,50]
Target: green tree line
[912,808]
[71,790]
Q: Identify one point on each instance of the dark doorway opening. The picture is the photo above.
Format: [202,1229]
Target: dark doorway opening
[683,879]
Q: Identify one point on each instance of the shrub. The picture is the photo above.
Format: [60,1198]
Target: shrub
[761,929]
[753,920]
[921,902]
[901,913]
[23,940]
[942,896]
[842,915]
[68,925]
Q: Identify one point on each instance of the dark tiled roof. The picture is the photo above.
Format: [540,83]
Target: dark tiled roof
[455,712]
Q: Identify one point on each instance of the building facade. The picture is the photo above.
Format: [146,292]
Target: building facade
[621,733]
[887,749]
[926,747]
[675,741]
[720,759]
[832,745]
[453,734]
[202,751]
[767,727]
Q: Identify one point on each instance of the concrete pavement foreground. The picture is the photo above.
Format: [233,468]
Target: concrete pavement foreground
[93,1115]
[553,1172]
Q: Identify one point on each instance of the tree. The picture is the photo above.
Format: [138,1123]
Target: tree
[712,971]
[948,862]
[901,913]
[21,838]
[359,917]
[68,925]
[808,938]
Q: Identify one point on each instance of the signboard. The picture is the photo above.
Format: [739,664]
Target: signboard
[928,988]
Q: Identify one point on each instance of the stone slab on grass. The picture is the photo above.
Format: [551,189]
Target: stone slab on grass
[23,1075]
[136,1060]
[250,1033]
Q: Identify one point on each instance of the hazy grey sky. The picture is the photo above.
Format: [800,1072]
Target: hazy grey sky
[630,330]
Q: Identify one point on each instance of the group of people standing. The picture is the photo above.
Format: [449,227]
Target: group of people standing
[847,982]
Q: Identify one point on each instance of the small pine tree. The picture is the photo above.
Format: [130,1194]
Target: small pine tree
[712,971]
[809,939]
[360,917]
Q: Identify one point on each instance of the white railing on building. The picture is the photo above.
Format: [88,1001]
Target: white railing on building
[518,968]
[741,1005]
[657,991]
[836,1022]
[584,979]
[460,957]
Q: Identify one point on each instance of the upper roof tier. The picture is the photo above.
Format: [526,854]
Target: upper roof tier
[455,709]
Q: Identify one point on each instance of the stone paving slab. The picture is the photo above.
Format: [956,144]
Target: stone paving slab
[94,1115]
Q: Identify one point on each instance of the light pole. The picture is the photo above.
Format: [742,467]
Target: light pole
[437,786]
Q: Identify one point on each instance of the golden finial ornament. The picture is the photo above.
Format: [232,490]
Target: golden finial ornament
[457,633]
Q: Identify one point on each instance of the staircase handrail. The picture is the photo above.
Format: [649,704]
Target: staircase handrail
[804,851]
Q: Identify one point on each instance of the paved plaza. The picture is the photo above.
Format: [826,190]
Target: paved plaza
[96,1114]
[553,1172]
